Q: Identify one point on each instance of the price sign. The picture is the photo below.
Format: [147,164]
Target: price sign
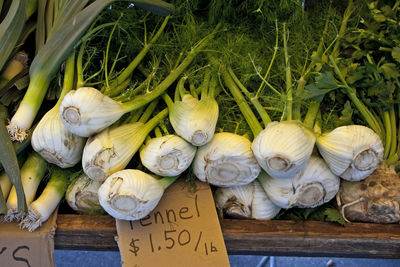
[183,230]
[20,248]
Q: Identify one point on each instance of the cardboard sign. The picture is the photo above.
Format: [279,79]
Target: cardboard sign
[183,230]
[21,248]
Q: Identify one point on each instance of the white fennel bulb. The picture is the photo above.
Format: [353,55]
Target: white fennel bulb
[312,187]
[194,120]
[283,148]
[87,111]
[132,194]
[226,161]
[352,152]
[52,140]
[247,201]
[82,195]
[168,155]
[111,150]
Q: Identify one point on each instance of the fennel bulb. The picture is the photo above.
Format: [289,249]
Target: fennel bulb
[194,120]
[111,150]
[283,148]
[312,187]
[247,201]
[226,161]
[82,195]
[132,194]
[87,111]
[352,152]
[55,143]
[168,155]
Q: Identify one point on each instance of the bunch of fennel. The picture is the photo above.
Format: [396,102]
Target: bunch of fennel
[87,111]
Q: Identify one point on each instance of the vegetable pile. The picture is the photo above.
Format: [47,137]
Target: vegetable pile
[289,109]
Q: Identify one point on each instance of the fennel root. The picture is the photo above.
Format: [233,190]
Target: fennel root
[375,199]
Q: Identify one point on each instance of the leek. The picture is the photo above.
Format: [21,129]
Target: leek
[32,172]
[41,209]
[9,162]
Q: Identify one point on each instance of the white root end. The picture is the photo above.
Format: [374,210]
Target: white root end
[199,138]
[96,173]
[13,215]
[72,115]
[279,163]
[366,159]
[168,162]
[348,205]
[31,222]
[16,133]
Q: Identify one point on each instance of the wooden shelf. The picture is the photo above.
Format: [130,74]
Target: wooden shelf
[277,238]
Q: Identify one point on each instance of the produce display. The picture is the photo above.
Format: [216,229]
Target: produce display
[288,109]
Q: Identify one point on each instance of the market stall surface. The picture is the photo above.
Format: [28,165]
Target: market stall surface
[64,258]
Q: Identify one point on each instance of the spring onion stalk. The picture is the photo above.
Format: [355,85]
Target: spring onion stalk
[312,187]
[9,161]
[55,51]
[51,139]
[195,120]
[32,172]
[226,161]
[132,194]
[87,111]
[245,202]
[41,209]
[82,196]
[167,155]
[352,152]
[111,150]
[13,68]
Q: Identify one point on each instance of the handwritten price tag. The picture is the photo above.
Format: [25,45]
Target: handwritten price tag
[20,248]
[183,230]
